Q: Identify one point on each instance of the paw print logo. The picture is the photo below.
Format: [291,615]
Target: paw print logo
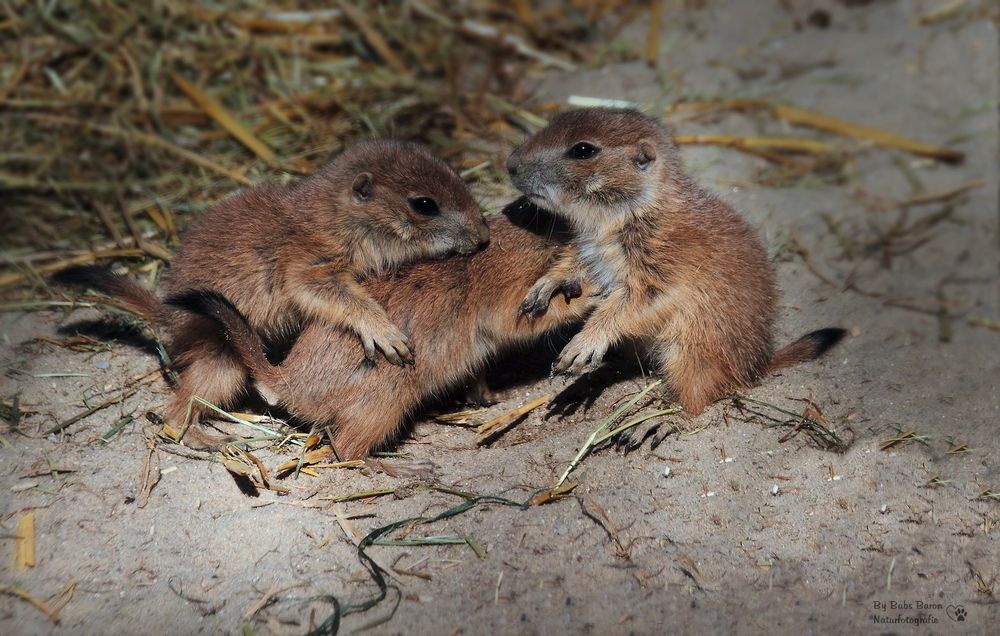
[956,613]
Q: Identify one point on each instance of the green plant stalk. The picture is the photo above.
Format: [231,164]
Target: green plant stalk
[233,418]
[635,421]
[603,425]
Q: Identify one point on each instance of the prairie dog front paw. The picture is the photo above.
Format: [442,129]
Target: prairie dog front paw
[388,339]
[540,295]
[581,354]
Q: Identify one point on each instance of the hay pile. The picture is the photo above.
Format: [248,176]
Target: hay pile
[122,120]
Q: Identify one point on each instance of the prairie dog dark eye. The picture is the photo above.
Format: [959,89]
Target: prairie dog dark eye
[582,150]
[425,206]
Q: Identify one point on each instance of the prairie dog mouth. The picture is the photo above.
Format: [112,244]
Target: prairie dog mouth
[542,200]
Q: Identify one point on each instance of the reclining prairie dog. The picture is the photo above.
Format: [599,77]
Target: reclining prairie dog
[289,254]
[676,268]
[458,316]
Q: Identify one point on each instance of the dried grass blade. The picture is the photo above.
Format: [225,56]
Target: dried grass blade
[373,38]
[941,12]
[944,195]
[525,13]
[366,494]
[984,322]
[473,29]
[552,494]
[149,140]
[25,544]
[653,32]
[751,144]
[458,418]
[224,118]
[487,429]
[41,605]
[813,119]
[90,257]
[309,458]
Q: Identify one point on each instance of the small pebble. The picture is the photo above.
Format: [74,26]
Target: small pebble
[774,490]
[102,364]
[884,509]
[666,471]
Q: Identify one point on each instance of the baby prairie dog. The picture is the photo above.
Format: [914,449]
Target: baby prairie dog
[287,255]
[676,269]
[456,312]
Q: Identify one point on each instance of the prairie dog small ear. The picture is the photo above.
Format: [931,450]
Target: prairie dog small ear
[646,154]
[362,186]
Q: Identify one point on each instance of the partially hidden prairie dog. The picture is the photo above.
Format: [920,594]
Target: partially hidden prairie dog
[285,255]
[676,268]
[456,312]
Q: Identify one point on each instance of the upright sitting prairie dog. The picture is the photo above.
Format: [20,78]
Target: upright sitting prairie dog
[286,255]
[457,313]
[677,269]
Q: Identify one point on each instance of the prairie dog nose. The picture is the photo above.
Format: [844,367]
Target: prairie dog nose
[484,234]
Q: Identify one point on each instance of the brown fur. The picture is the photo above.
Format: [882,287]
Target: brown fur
[677,268]
[458,314]
[285,255]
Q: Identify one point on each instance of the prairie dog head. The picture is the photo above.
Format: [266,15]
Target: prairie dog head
[400,203]
[595,165]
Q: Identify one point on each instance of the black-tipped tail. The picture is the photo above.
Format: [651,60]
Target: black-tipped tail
[129,294]
[808,347]
[825,339]
[237,329]
[82,276]
[210,304]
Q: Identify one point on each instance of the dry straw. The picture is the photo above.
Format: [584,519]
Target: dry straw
[123,120]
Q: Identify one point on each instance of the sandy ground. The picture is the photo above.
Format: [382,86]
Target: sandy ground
[708,548]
